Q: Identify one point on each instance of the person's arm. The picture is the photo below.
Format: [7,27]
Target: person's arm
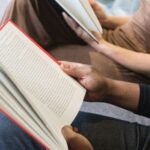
[137,62]
[100,88]
[75,140]
[123,94]
[131,96]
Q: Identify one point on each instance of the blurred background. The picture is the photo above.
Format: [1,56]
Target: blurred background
[115,7]
[3,4]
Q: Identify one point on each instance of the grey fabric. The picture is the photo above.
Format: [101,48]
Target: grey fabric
[114,112]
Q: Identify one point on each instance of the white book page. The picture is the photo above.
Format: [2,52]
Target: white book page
[77,11]
[51,92]
[20,99]
[91,13]
[8,103]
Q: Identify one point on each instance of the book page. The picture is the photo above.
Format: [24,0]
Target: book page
[26,118]
[10,106]
[51,92]
[75,7]
[78,12]
[15,94]
[91,13]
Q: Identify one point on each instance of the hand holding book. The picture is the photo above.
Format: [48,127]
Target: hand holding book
[75,140]
[97,86]
[97,44]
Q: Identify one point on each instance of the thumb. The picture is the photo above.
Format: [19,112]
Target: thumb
[75,70]
[68,132]
[97,35]
[97,8]
[94,4]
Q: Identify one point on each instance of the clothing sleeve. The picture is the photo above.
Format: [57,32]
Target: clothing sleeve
[144,101]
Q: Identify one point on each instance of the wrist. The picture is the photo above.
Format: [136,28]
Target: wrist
[111,91]
[123,94]
[106,91]
[110,88]
[105,48]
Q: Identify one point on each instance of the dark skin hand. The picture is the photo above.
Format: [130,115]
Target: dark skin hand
[89,78]
[75,141]
[99,88]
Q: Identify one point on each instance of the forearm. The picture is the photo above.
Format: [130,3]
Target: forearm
[137,62]
[123,94]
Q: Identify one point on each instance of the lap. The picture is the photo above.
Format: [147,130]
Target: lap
[103,133]
[107,133]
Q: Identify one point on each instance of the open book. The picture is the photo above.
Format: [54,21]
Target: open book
[34,92]
[82,12]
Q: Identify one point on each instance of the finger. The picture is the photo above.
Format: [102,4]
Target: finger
[74,26]
[67,127]
[97,35]
[70,22]
[97,9]
[76,70]
[73,69]
[95,5]
[75,129]
[68,64]
[83,35]
[91,1]
[68,132]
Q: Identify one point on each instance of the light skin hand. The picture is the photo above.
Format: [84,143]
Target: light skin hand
[106,21]
[84,36]
[76,141]
[137,62]
[103,46]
